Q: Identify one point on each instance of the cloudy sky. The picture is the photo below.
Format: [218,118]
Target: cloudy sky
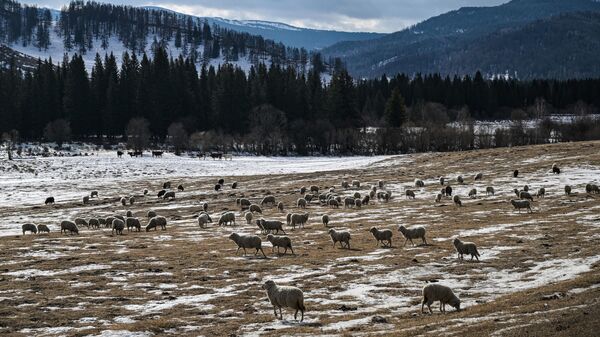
[348,15]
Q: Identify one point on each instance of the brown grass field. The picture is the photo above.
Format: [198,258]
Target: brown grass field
[538,275]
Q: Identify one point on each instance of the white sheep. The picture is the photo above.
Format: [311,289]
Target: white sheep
[413,233]
[248,217]
[227,218]
[298,219]
[285,296]
[341,237]
[268,226]
[325,219]
[280,241]
[383,236]
[466,248]
[438,292]
[518,204]
[203,219]
[247,241]
[156,222]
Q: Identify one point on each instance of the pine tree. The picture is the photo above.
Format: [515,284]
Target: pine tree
[395,110]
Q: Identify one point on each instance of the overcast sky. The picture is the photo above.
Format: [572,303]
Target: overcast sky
[348,15]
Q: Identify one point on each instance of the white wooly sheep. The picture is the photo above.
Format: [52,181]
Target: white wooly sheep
[81,222]
[280,206]
[456,200]
[131,200]
[468,248]
[438,292]
[314,189]
[460,179]
[43,228]
[118,225]
[86,200]
[280,241]
[133,223]
[298,219]
[255,209]
[341,237]
[479,176]
[518,204]
[227,218]
[247,241]
[472,193]
[248,217]
[438,198]
[348,202]
[94,194]
[124,201]
[204,219]
[151,214]
[285,296]
[325,219]
[345,184]
[69,226]
[419,183]
[358,203]
[541,193]
[169,195]
[413,233]
[567,190]
[383,236]
[489,190]
[301,203]
[29,227]
[156,222]
[525,195]
[245,203]
[268,200]
[410,194]
[268,226]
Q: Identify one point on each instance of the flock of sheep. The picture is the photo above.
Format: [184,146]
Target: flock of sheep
[293,297]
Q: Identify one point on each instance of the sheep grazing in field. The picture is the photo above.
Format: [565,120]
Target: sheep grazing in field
[443,191]
[94,194]
[120,217]
[268,200]
[204,206]
[217,187]
[366,200]
[356,195]
[301,203]
[268,226]
[247,241]
[123,201]
[383,236]
[255,209]
[515,173]
[380,183]
[525,195]
[167,185]
[118,225]
[157,221]
[518,204]
[94,223]
[456,200]
[410,194]
[280,206]
[221,181]
[343,237]
[285,296]
[372,194]
[489,190]
[49,200]
[555,169]
[382,195]
[131,200]
[479,176]
[129,214]
[180,188]
[86,200]
[468,248]
[245,203]
[280,241]
[449,191]
[161,193]
[169,195]
[81,222]
[438,292]
[460,179]
[248,217]
[309,197]
[234,185]
[541,193]
[374,188]
[288,219]
[298,219]
[333,203]
[227,218]
[526,188]
[314,189]
[145,191]
[419,183]
[325,220]
[151,214]
[345,184]
[133,223]
[472,193]
[592,189]
[43,229]
[204,219]
[356,183]
[438,198]
[68,226]
[303,190]
[108,221]
[348,202]
[29,227]
[442,181]
[413,233]
[567,190]
[517,192]
[358,203]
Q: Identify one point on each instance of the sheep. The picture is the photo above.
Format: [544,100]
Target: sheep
[118,225]
[555,169]
[227,218]
[102,221]
[133,223]
[132,200]
[567,190]
[86,200]
[49,200]
[303,190]
[169,195]
[234,185]
[372,194]
[247,241]
[356,183]
[280,206]
[280,241]
[410,194]
[479,176]
[438,198]
[525,195]
[221,181]
[151,214]
[419,183]
[309,197]
[358,203]
[270,225]
[413,233]
[129,214]
[248,217]
[457,201]
[517,192]
[348,202]
[94,223]
[124,201]
[380,183]
[120,217]
[156,222]
[460,179]
[255,209]
[541,193]
[449,191]
[204,206]
[472,193]
[29,227]
[592,189]
[382,236]
[333,203]
[94,194]
[161,193]
[245,203]
[166,185]
[341,237]
[515,173]
[438,292]
[526,188]
[301,203]
[81,222]
[43,228]
[382,195]
[145,191]
[366,200]
[203,219]
[489,190]
[268,200]
[285,296]
[217,187]
[298,219]
[466,248]
[180,188]
[518,204]
[325,220]
[68,226]
[108,221]
[314,189]
[345,184]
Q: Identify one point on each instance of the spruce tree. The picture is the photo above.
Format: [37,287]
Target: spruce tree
[395,110]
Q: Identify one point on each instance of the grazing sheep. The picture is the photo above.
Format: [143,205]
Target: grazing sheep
[161,193]
[356,195]
[94,223]
[438,292]
[301,203]
[479,176]
[366,200]
[518,204]
[102,221]
[151,214]
[314,189]
[245,203]
[325,219]
[203,219]
[248,217]
[472,193]
[341,237]
[374,188]
[372,194]
[49,200]
[460,179]
[217,187]
[419,183]
[345,184]
[525,195]
[382,195]
[515,173]
[133,223]
[234,185]
[489,190]
[129,214]
[166,185]
[86,200]
[132,200]
[120,217]
[333,203]
[356,183]
[280,241]
[227,218]
[541,193]
[555,169]
[442,181]
[169,195]
[358,203]
[156,222]
[145,191]
[456,200]
[466,248]
[280,206]
[68,226]
[29,227]
[94,194]
[247,241]
[118,225]
[526,188]
[567,190]
[592,189]
[43,228]
[438,198]
[309,197]
[204,206]
[255,209]
[410,194]
[268,200]
[81,222]
[180,188]
[221,181]
[413,233]
[108,221]
[298,219]
[382,236]
[285,296]
[270,225]
[348,202]
[123,201]
[303,190]
[449,191]
[517,192]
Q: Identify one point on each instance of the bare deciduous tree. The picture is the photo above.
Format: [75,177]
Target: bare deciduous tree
[10,138]
[177,137]
[138,134]
[58,131]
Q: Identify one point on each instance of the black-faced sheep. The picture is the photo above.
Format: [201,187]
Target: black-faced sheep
[383,236]
[161,193]
[555,169]
[167,185]
[567,190]
[43,229]
[29,227]
[255,209]
[280,241]
[204,219]
[525,195]
[234,185]
[217,187]
[366,200]
[343,237]
[438,292]
[303,190]
[314,189]
[221,181]
[449,191]
[460,179]
[49,200]
[541,193]
[133,223]
[86,200]
[468,248]
[438,198]
[247,241]
[68,226]
[124,201]
[180,188]
[151,214]
[515,173]
[248,217]
[356,183]
[325,219]
[118,225]
[285,296]
[472,193]
[348,202]
[280,206]
[419,183]
[131,200]
[413,233]
[479,176]
[94,194]
[358,203]
[333,203]
[410,194]
[81,222]
[245,203]
[94,223]
[169,195]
